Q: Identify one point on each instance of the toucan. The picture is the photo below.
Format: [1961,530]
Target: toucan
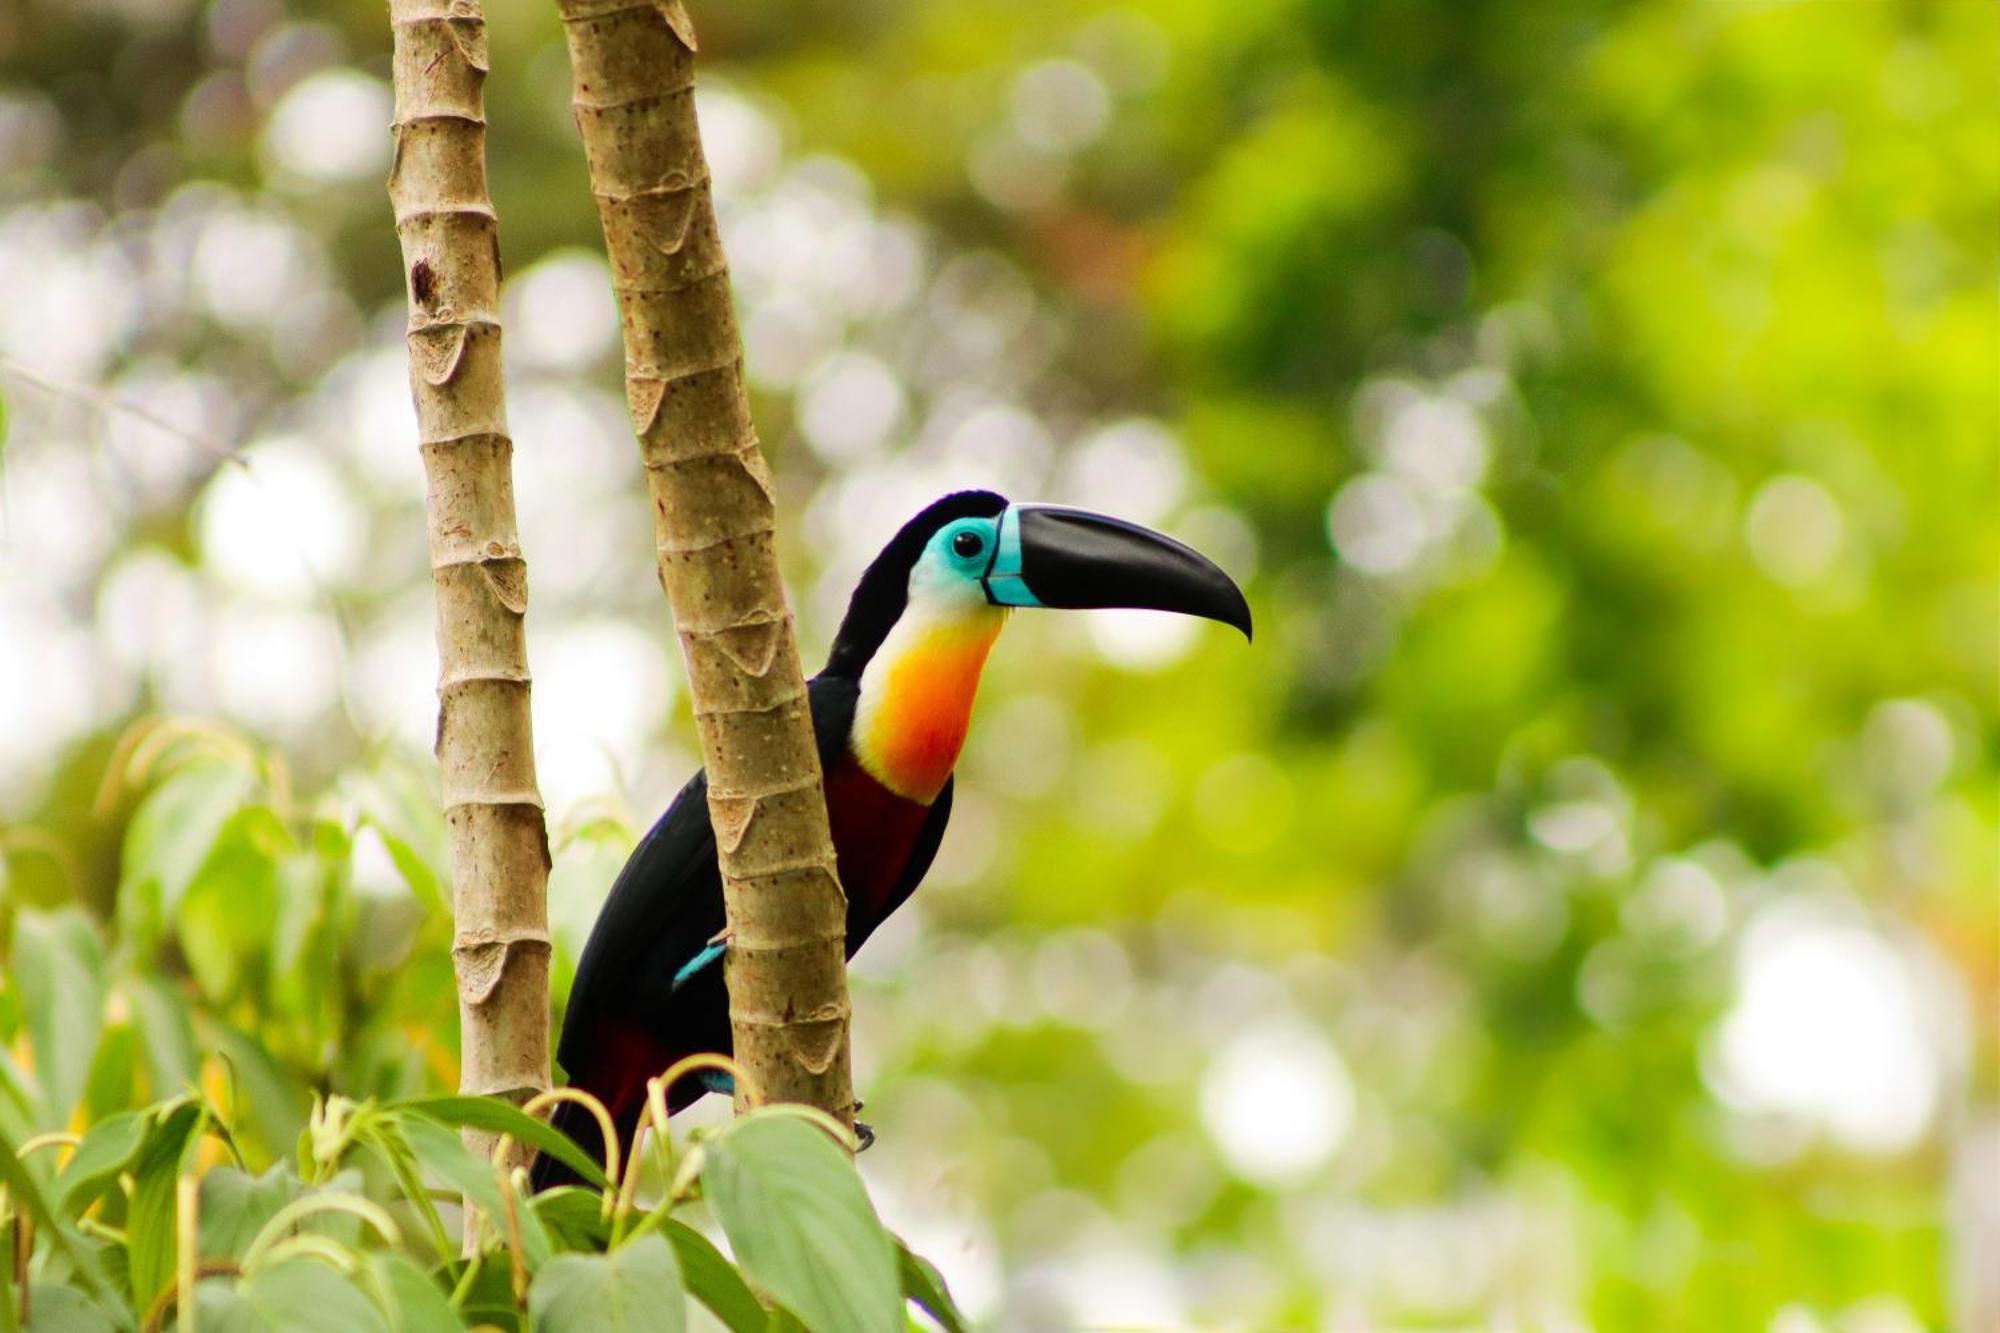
[890,712]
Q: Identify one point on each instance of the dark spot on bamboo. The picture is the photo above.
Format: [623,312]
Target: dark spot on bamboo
[423,282]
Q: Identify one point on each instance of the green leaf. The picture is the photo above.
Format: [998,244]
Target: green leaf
[225,921]
[404,811]
[800,1222]
[298,907]
[110,1087]
[172,1060]
[489,1297]
[267,1094]
[28,1196]
[235,1205]
[444,1155]
[415,1303]
[170,836]
[53,1308]
[384,1135]
[441,1152]
[574,1217]
[314,958]
[108,1148]
[297,1296]
[634,1289]
[152,1237]
[58,969]
[17,1100]
[503,1118]
[714,1281]
[923,1284]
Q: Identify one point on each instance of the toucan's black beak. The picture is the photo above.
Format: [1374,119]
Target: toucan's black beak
[1071,558]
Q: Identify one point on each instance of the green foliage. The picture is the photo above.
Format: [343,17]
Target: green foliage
[634,1289]
[58,973]
[714,1280]
[149,1219]
[311,1211]
[500,1118]
[305,1295]
[297,1247]
[801,1223]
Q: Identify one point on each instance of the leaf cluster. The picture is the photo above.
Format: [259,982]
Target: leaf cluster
[258,1142]
[153,1219]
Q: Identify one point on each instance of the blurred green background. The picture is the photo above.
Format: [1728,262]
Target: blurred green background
[1578,909]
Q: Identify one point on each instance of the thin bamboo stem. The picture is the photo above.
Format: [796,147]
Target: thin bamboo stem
[632,68]
[485,743]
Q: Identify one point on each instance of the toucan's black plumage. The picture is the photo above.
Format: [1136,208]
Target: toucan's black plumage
[889,714]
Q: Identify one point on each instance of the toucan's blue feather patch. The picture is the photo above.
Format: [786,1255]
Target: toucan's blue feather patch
[696,964]
[1004,584]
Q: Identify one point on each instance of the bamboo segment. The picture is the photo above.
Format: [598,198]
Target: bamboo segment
[485,744]
[632,66]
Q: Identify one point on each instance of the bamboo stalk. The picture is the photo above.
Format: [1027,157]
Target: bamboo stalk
[632,67]
[485,745]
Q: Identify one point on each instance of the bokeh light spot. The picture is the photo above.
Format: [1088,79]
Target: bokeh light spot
[1377,524]
[331,127]
[1060,105]
[283,525]
[1795,530]
[1829,1027]
[1278,1101]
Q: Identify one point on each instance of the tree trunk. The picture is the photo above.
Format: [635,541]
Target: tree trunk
[632,63]
[485,743]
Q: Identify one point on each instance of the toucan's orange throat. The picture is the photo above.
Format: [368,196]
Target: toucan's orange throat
[917,693]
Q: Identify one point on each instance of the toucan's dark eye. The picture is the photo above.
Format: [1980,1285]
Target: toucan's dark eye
[968,544]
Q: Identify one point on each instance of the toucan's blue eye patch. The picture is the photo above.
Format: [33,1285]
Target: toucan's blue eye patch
[965,546]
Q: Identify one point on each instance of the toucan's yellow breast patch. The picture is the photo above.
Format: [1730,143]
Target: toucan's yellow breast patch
[916,699]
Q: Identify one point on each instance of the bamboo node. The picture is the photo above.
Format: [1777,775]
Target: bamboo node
[782,869]
[830,1013]
[759,470]
[750,648]
[671,236]
[731,816]
[644,398]
[675,15]
[817,1041]
[469,35]
[482,958]
[437,351]
[507,578]
[496,798]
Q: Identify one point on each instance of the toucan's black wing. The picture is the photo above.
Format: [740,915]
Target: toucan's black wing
[665,908]
[833,700]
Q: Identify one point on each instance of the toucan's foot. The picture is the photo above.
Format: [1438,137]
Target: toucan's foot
[717,1080]
[864,1136]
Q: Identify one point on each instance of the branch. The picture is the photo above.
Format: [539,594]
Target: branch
[632,63]
[485,743]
